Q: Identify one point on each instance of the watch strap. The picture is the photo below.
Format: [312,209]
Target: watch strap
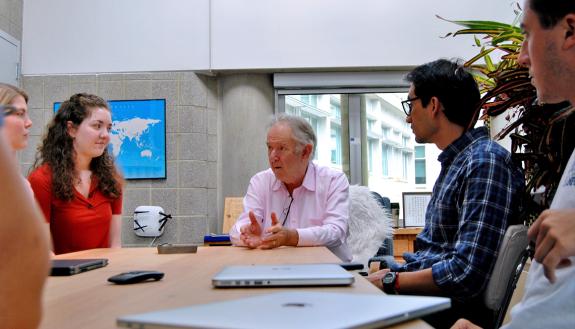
[389,286]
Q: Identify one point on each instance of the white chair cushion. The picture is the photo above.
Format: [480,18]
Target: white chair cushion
[369,224]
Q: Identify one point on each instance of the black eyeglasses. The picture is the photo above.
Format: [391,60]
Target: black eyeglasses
[407,105]
[285,212]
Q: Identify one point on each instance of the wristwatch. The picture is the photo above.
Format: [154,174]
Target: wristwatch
[389,281]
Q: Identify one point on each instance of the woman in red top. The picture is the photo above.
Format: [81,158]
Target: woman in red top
[75,180]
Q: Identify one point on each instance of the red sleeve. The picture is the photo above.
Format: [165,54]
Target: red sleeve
[41,182]
[117,205]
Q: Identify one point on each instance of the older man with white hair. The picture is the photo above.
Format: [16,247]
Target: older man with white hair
[295,202]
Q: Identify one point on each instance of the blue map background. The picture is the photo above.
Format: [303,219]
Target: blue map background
[138,137]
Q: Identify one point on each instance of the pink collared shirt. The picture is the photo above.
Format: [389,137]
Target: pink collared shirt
[319,211]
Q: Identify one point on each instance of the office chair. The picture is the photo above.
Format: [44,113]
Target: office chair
[513,254]
[386,248]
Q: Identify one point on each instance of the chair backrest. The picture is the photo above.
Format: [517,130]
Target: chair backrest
[386,248]
[383,202]
[233,208]
[510,261]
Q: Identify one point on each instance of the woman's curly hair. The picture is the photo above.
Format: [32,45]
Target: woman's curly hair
[57,150]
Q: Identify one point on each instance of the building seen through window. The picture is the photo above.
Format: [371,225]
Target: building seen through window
[392,162]
[420,165]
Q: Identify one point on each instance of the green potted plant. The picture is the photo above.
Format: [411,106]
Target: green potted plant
[542,135]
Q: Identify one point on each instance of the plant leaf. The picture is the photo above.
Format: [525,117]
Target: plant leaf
[478,24]
[483,53]
[477,42]
[489,63]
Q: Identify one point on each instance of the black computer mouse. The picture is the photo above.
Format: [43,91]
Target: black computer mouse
[135,277]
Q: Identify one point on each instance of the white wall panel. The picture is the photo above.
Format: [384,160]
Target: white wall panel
[260,34]
[87,36]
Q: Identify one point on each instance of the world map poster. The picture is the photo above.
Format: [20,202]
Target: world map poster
[138,137]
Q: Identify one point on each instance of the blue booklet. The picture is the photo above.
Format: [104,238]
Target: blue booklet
[211,238]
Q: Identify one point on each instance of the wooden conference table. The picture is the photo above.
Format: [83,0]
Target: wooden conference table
[87,300]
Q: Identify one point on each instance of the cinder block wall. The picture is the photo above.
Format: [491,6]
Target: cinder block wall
[189,192]
[11,17]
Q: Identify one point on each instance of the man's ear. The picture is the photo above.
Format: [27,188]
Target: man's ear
[306,152]
[569,24]
[435,106]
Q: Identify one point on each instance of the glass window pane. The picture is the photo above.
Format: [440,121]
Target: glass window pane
[406,164]
[389,158]
[419,171]
[335,144]
[391,150]
[384,160]
[328,116]
[419,152]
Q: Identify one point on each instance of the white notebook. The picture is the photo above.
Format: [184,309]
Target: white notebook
[297,309]
[282,275]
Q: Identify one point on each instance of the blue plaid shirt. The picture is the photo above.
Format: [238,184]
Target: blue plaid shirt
[476,196]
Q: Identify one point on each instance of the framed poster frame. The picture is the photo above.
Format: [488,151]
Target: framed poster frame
[137,115]
[414,208]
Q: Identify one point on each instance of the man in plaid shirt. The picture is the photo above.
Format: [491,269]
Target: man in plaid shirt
[475,198]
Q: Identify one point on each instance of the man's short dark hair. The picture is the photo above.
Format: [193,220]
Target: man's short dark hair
[453,85]
[550,12]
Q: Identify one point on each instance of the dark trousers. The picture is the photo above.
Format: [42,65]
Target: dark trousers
[473,310]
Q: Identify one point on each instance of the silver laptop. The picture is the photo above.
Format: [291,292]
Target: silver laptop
[282,275]
[296,309]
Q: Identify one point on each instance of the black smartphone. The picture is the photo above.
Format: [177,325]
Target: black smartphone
[352,266]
